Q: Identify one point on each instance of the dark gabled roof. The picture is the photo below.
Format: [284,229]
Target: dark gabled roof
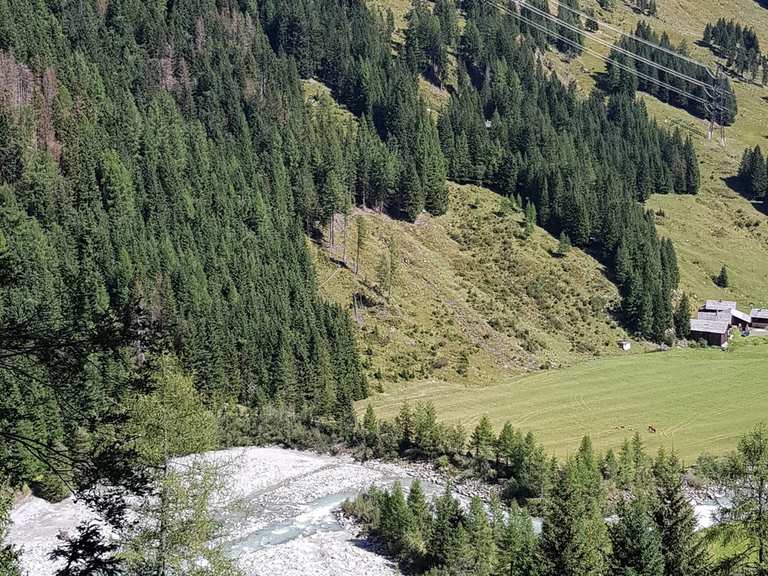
[760,313]
[710,326]
[741,315]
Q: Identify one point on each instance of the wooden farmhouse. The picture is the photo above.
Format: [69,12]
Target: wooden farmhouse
[714,332]
[724,310]
[759,317]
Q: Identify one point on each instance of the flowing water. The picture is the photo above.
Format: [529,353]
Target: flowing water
[279,508]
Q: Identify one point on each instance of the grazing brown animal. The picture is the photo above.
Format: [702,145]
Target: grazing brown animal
[652,429]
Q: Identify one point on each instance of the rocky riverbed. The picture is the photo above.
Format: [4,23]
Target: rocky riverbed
[281,513]
[287,523]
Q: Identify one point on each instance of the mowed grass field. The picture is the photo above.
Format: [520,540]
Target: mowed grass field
[697,400]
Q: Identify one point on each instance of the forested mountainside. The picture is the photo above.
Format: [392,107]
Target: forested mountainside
[584,164]
[156,161]
[159,169]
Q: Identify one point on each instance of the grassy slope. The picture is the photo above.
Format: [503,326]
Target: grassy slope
[475,302]
[716,227]
[681,393]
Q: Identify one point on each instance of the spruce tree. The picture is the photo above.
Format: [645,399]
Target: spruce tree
[574,540]
[9,555]
[482,440]
[445,537]
[482,545]
[420,512]
[370,427]
[682,317]
[722,278]
[395,521]
[635,541]
[517,549]
[683,552]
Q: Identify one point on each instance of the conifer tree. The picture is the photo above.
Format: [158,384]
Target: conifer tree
[635,541]
[411,193]
[745,520]
[482,440]
[517,555]
[574,539]
[9,555]
[370,427]
[482,546]
[420,512]
[692,174]
[530,218]
[395,522]
[446,539]
[682,317]
[683,553]
[722,278]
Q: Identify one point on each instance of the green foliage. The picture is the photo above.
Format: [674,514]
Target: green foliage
[738,44]
[722,278]
[683,552]
[575,539]
[569,159]
[482,439]
[744,474]
[635,542]
[181,527]
[171,420]
[682,317]
[518,551]
[618,79]
[9,555]
[753,173]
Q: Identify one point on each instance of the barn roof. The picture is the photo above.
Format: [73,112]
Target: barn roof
[709,326]
[719,305]
[741,315]
[719,315]
[760,313]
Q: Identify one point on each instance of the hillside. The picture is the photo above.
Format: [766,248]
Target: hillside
[718,226]
[475,300]
[714,227]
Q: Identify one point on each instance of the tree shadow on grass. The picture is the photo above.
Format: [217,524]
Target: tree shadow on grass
[735,184]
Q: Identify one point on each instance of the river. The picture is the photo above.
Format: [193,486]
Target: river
[287,527]
[287,524]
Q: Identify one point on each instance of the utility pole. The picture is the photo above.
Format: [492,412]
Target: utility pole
[716,116]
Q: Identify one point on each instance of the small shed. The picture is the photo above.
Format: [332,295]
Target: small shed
[759,318]
[714,332]
[625,345]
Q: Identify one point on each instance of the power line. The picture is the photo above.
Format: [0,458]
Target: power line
[634,37]
[670,71]
[616,63]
